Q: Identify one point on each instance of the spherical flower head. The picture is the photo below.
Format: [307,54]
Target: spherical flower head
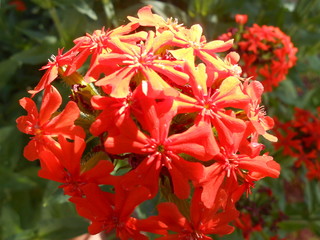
[241,19]
[266,52]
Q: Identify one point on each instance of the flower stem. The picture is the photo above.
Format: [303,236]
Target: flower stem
[54,15]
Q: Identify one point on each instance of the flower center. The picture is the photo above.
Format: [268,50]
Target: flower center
[193,236]
[160,148]
[37,130]
[195,45]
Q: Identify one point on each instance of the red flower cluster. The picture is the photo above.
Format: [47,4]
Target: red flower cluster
[300,138]
[267,53]
[259,215]
[18,4]
[163,105]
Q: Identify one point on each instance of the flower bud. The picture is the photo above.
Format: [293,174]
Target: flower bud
[241,18]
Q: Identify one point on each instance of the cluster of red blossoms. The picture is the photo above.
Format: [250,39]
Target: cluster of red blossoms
[18,4]
[259,214]
[300,138]
[151,113]
[266,52]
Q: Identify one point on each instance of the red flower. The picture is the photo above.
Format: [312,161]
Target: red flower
[191,42]
[44,126]
[168,114]
[20,5]
[52,70]
[64,165]
[266,52]
[201,222]
[233,168]
[147,19]
[301,137]
[212,103]
[160,149]
[259,122]
[244,222]
[277,238]
[276,53]
[241,19]
[141,59]
[107,211]
[100,41]
[114,110]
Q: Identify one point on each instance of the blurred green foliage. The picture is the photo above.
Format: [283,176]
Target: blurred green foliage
[32,208]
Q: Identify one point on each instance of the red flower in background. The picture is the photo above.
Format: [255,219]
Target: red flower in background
[19,4]
[241,18]
[266,52]
[259,214]
[244,223]
[300,139]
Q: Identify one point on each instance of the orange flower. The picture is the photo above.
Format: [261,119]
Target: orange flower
[52,69]
[200,222]
[44,125]
[141,59]
[175,119]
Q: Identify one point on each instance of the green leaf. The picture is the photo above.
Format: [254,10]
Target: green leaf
[14,181]
[293,225]
[201,7]
[315,226]
[85,9]
[62,228]
[70,23]
[10,146]
[30,234]
[38,54]
[287,92]
[59,219]
[9,222]
[168,10]
[46,4]
[7,70]
[36,35]
[310,97]
[308,196]
[110,13]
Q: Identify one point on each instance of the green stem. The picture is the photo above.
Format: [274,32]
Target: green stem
[182,204]
[54,15]
[265,235]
